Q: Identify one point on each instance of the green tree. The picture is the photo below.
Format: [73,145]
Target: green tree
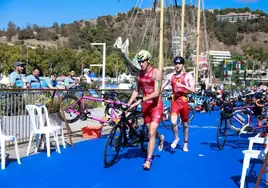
[11,30]
[56,27]
[115,64]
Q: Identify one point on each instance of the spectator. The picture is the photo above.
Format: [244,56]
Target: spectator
[33,80]
[70,82]
[87,72]
[15,78]
[51,82]
[203,87]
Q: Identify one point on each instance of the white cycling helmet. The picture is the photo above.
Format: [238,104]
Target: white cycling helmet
[143,55]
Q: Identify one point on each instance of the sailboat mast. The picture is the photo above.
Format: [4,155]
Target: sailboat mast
[182,25]
[161,36]
[197,42]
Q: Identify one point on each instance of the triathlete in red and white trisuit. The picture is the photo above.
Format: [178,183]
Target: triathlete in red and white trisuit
[181,83]
[152,109]
[179,103]
[149,81]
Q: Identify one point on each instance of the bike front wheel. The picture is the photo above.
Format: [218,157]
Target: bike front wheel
[113,145]
[221,133]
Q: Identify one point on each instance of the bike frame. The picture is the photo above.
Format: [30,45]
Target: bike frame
[83,98]
[126,124]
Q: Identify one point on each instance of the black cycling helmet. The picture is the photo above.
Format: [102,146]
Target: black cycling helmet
[178,60]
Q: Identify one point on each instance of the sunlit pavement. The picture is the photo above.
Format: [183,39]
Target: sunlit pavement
[82,166]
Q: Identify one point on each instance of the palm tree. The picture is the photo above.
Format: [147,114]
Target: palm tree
[255,55]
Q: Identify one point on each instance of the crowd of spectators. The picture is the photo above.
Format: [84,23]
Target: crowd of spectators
[17,79]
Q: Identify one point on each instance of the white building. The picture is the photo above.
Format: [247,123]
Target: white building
[176,43]
[217,57]
[234,17]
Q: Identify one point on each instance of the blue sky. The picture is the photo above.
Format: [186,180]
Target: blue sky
[45,12]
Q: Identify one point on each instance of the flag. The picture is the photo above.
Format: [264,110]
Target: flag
[242,64]
[234,65]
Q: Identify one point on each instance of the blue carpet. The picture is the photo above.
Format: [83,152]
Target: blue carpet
[82,166]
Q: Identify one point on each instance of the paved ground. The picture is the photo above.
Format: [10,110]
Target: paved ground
[75,127]
[82,166]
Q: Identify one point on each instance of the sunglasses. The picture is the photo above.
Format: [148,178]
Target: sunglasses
[178,63]
[140,62]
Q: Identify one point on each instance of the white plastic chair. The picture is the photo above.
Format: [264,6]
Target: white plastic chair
[53,126]
[3,140]
[252,154]
[35,111]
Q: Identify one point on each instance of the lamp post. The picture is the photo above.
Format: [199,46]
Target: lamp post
[197,42]
[182,26]
[103,61]
[161,38]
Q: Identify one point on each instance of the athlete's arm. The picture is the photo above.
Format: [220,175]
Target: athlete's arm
[134,93]
[190,86]
[157,86]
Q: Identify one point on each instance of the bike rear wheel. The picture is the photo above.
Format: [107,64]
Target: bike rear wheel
[166,121]
[239,119]
[191,113]
[221,133]
[113,143]
[71,108]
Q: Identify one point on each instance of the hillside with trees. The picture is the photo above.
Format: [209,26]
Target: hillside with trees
[67,46]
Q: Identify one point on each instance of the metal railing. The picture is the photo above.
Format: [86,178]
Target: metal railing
[15,120]
[13,115]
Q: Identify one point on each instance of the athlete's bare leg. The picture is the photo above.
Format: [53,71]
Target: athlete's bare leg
[185,132]
[151,145]
[175,130]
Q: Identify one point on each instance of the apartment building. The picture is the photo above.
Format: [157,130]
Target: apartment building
[217,57]
[234,17]
[176,43]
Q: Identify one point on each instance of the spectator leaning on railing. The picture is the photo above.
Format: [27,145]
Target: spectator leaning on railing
[33,80]
[70,82]
[51,82]
[15,78]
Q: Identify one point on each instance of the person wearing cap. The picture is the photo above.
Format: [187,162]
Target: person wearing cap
[15,78]
[51,82]
[70,82]
[33,81]
[182,83]
[86,75]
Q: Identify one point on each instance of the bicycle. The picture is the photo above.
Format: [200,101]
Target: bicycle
[114,96]
[199,101]
[77,109]
[226,117]
[131,127]
[241,120]
[166,117]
